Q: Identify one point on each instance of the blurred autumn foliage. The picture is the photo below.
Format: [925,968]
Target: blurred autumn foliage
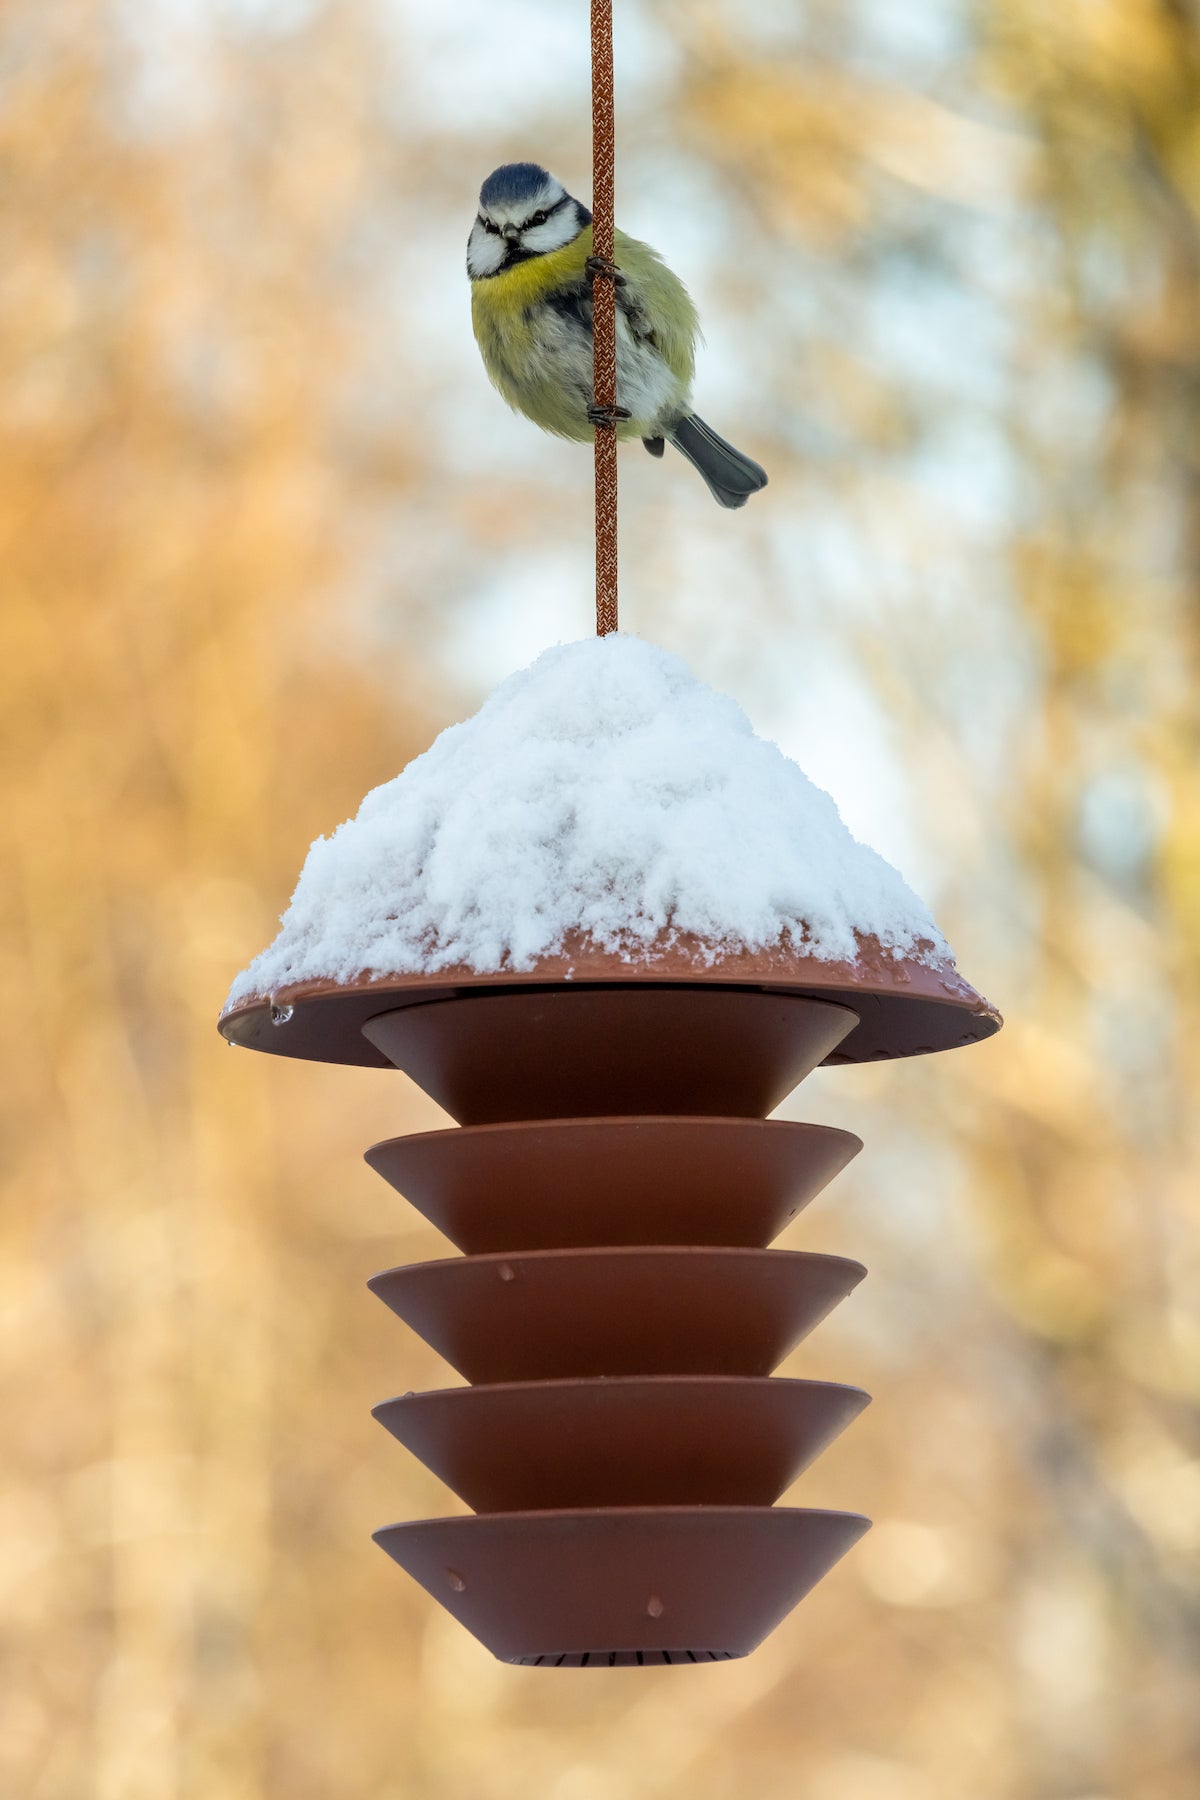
[263,528]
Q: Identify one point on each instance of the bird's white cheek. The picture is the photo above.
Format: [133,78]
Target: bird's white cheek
[485,253]
[562,229]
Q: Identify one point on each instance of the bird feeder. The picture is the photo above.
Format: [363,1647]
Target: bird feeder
[614,1185]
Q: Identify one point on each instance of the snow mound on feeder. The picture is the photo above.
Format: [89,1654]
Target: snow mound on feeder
[603,791]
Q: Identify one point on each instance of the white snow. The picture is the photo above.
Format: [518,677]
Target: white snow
[604,790]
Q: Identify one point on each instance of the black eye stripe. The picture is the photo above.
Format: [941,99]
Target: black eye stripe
[541,217]
[543,214]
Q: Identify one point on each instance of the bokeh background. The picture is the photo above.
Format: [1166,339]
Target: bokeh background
[265,530]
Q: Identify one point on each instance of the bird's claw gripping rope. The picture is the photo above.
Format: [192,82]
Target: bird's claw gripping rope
[606,417]
[602,266]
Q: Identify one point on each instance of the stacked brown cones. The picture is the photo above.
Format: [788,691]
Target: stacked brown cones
[614,1183]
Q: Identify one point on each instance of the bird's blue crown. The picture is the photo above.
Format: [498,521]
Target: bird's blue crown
[514,181]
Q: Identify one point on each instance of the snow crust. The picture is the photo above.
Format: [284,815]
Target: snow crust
[603,791]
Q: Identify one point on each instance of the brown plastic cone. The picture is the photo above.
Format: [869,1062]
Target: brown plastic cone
[663,1440]
[595,1051]
[623,1585]
[546,1315]
[572,1183]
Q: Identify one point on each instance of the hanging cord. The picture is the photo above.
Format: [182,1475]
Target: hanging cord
[605,277]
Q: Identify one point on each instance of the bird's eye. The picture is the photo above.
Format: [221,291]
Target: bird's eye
[539,218]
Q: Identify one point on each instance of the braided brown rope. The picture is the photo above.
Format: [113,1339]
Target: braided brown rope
[604,325]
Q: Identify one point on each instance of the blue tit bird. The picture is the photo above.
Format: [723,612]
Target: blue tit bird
[531,307]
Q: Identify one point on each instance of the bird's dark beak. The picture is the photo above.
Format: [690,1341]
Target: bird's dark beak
[511,233]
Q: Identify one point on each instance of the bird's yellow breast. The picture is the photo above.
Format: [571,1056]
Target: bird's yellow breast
[504,309]
[510,293]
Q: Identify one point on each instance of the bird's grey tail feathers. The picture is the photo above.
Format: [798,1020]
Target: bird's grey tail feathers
[731,477]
